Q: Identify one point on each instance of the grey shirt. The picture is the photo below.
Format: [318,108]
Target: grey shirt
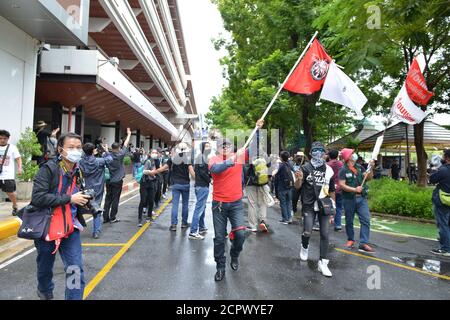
[116,168]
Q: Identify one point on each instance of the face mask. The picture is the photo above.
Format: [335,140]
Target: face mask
[74,156]
[317,154]
[354,157]
[154,156]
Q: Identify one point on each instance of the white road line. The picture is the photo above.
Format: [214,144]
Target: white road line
[20,256]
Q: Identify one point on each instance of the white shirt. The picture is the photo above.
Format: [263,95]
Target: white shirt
[8,172]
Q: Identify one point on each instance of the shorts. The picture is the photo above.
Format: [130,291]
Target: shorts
[8,186]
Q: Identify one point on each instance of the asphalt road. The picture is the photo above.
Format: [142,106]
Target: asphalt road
[159,264]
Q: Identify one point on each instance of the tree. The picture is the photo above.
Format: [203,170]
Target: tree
[267,38]
[380,55]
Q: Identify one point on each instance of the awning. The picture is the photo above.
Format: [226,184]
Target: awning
[88,78]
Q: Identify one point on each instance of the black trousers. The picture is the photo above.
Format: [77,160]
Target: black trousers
[159,182]
[295,197]
[147,191]
[165,177]
[113,192]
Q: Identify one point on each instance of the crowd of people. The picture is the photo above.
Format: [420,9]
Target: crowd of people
[327,185]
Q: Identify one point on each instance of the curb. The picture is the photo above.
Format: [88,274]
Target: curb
[10,227]
[403,218]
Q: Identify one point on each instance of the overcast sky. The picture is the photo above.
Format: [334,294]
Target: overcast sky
[201,22]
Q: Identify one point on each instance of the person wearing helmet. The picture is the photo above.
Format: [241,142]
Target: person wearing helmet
[354,197]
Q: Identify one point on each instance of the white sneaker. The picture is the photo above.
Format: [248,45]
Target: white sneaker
[196,236]
[323,267]
[303,253]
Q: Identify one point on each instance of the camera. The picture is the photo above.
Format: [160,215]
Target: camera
[92,205]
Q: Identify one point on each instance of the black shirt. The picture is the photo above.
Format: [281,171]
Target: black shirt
[395,170]
[180,169]
[307,190]
[202,175]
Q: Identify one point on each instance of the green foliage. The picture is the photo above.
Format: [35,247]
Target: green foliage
[127,160]
[29,146]
[352,143]
[400,198]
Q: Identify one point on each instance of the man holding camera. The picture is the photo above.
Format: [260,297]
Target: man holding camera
[93,169]
[57,185]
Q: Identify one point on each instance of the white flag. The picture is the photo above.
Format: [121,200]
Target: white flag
[340,89]
[405,110]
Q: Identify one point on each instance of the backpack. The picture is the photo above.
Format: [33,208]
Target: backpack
[139,174]
[260,172]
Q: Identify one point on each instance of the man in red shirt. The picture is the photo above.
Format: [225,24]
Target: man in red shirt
[226,170]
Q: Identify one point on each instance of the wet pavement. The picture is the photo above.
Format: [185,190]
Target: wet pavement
[160,264]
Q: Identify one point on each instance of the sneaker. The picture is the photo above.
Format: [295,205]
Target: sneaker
[338,229]
[95,235]
[44,296]
[290,221]
[140,224]
[283,222]
[115,220]
[196,236]
[252,229]
[234,264]
[185,225]
[203,230]
[173,227]
[323,267]
[440,252]
[263,227]
[220,274]
[149,219]
[366,248]
[164,196]
[14,212]
[316,227]
[303,253]
[350,244]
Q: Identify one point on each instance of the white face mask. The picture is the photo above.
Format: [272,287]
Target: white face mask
[354,157]
[154,156]
[74,156]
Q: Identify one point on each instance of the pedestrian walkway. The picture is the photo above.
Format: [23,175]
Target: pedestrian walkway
[151,262]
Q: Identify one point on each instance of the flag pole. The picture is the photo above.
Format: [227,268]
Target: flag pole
[279,90]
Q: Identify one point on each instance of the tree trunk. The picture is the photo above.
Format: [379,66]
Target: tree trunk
[421,154]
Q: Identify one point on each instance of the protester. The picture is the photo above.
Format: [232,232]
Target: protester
[114,185]
[136,159]
[48,142]
[361,162]
[202,181]
[354,198]
[256,177]
[181,166]
[159,177]
[8,154]
[316,182]
[284,182]
[395,170]
[441,204]
[336,165]
[93,169]
[56,185]
[226,171]
[148,188]
[299,160]
[165,175]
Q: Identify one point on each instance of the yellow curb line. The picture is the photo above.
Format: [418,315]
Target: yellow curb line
[102,273]
[103,244]
[395,264]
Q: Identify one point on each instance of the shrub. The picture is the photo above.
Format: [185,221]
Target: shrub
[28,146]
[400,198]
[127,160]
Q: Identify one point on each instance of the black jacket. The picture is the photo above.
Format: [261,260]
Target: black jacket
[45,189]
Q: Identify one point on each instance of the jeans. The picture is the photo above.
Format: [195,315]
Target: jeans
[147,193]
[443,224]
[97,221]
[71,254]
[183,191]
[339,209]
[309,217]
[360,206]
[136,166]
[113,191]
[285,197]
[198,220]
[233,211]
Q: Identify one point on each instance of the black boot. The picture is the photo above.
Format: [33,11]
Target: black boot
[234,263]
[220,274]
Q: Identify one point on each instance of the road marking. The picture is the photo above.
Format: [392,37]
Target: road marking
[103,244]
[394,264]
[102,273]
[7,263]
